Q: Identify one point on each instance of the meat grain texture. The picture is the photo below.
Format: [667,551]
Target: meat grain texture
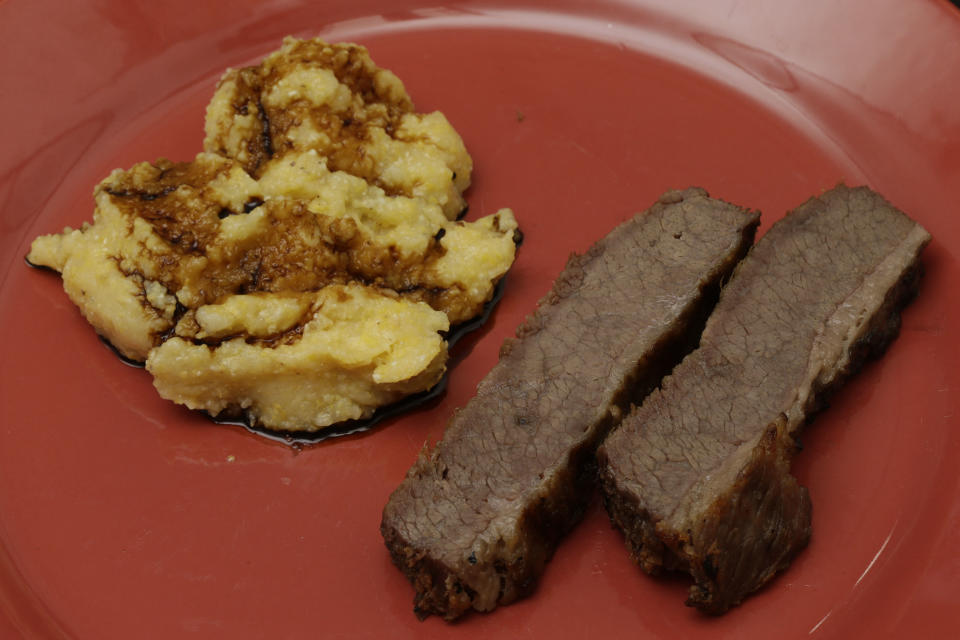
[476,519]
[698,478]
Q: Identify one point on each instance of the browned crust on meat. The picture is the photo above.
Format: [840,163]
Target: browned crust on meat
[441,588]
[728,564]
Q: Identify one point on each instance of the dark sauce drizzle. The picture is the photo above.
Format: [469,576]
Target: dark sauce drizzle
[138,364]
[297,439]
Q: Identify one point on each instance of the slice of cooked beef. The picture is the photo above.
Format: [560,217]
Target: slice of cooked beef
[475,520]
[698,478]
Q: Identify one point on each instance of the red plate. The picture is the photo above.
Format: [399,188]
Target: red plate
[124,516]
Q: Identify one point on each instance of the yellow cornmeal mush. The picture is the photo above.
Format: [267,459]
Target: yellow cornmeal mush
[303,268]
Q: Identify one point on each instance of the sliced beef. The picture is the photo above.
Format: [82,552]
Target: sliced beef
[698,478]
[476,519]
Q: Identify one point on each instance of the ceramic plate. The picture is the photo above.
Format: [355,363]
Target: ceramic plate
[124,516]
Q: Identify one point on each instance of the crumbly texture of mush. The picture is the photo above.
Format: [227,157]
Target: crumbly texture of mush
[303,269]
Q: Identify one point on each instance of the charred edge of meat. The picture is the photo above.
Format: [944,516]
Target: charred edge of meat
[435,586]
[629,518]
[438,589]
[768,474]
[725,564]
[764,485]
[400,407]
[715,555]
[645,548]
[545,522]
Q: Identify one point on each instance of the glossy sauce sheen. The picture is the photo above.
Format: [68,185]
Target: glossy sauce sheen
[272,277]
[351,427]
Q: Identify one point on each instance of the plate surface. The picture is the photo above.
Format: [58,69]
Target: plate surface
[124,516]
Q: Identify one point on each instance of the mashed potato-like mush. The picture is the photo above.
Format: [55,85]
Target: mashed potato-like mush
[303,269]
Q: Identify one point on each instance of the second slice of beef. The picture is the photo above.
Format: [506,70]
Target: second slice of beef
[698,478]
[476,519]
